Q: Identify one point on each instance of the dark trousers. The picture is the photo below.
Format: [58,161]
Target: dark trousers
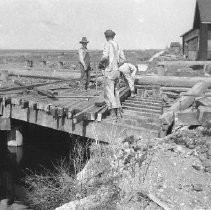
[85,76]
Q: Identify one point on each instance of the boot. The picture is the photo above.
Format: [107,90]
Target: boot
[133,94]
[119,113]
[113,115]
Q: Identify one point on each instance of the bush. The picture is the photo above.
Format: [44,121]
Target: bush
[51,189]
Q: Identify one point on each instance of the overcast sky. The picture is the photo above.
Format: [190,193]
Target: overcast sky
[60,24]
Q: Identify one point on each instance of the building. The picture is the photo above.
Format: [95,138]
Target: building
[175,47]
[197,41]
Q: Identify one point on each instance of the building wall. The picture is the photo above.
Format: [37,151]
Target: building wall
[209,42]
[203,43]
[191,48]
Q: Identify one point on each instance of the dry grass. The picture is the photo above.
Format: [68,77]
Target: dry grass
[108,169]
[51,189]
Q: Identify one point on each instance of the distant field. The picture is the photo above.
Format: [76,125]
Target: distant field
[18,58]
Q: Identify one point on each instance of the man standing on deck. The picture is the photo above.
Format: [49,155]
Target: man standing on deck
[111,59]
[84,63]
[129,71]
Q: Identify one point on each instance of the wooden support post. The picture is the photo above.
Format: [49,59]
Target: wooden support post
[24,104]
[7,101]
[1,106]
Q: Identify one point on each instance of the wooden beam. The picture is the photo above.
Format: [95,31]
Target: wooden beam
[184,63]
[30,86]
[171,81]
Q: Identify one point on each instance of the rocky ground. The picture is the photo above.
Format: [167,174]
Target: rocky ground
[169,173]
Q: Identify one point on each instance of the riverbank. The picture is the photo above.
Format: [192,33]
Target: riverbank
[168,173]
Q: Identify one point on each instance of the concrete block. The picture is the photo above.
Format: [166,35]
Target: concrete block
[204,114]
[187,118]
[15,137]
[5,124]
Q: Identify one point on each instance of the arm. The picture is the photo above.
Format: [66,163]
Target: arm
[133,70]
[81,58]
[121,56]
[105,56]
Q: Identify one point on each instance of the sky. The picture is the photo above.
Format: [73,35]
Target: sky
[60,24]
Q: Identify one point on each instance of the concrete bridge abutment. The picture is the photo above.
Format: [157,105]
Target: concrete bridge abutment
[14,134]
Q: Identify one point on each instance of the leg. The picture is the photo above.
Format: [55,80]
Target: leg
[119,108]
[83,76]
[116,93]
[130,82]
[109,96]
[88,76]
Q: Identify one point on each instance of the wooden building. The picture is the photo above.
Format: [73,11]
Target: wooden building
[197,41]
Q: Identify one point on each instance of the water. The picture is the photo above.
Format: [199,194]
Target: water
[43,148]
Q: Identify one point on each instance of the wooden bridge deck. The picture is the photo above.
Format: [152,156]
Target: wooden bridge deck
[75,111]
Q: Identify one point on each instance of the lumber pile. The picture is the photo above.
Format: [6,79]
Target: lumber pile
[184,102]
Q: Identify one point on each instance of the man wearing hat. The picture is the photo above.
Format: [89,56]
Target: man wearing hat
[84,63]
[111,59]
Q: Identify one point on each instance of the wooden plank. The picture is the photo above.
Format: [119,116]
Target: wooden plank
[29,86]
[184,63]
[81,115]
[48,93]
[92,114]
[102,113]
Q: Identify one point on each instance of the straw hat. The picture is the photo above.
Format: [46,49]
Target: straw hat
[84,40]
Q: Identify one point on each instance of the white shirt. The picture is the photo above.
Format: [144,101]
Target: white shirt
[128,68]
[113,55]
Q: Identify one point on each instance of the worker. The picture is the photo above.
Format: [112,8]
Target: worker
[112,57]
[129,71]
[84,63]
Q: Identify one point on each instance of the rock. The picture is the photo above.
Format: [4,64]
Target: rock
[202,157]
[207,169]
[208,143]
[93,168]
[206,163]
[191,146]
[126,145]
[198,187]
[197,167]
[209,152]
[203,149]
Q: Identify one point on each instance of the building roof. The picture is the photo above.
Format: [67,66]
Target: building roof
[205,10]
[187,32]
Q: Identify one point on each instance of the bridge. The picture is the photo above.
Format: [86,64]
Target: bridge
[61,106]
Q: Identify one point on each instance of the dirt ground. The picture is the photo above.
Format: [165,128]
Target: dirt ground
[169,173]
[179,173]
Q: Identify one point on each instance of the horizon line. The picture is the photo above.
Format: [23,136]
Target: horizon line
[70,49]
